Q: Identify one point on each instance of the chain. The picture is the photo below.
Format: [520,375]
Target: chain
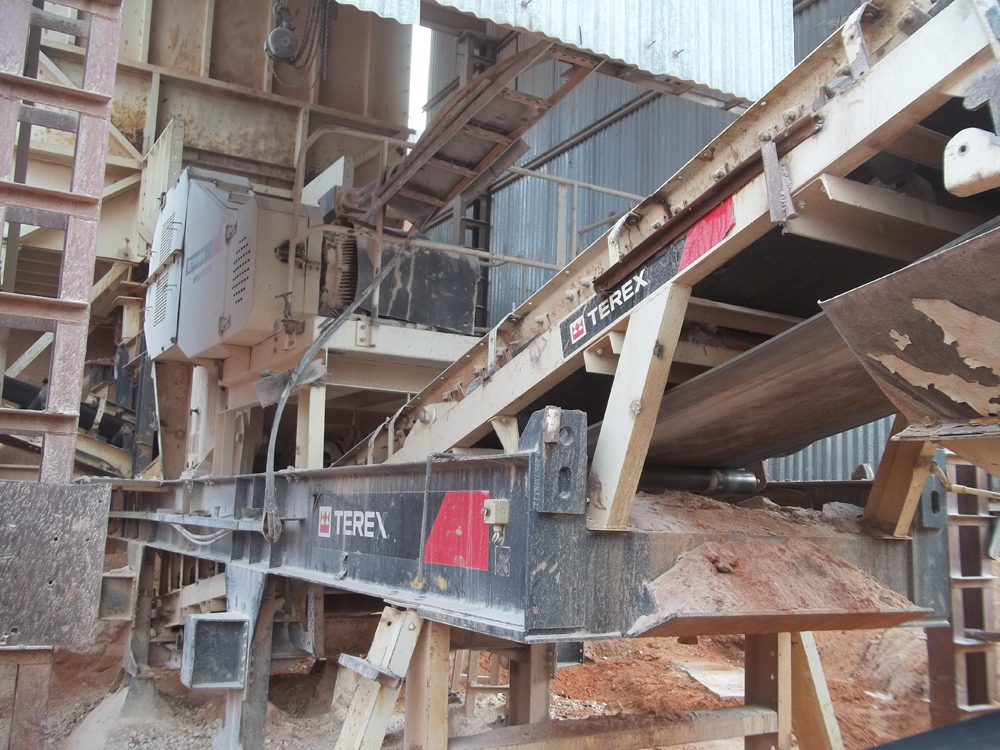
[315,37]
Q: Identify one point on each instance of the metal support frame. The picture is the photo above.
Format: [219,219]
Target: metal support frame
[962,659]
[76,212]
[646,356]
[833,141]
[383,531]
[246,709]
[142,694]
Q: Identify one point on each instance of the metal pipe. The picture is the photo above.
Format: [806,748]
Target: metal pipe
[576,183]
[710,481]
[958,488]
[425,244]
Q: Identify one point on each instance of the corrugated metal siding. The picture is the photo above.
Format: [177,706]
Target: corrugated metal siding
[633,155]
[740,47]
[596,97]
[404,11]
[443,68]
[836,457]
[816,21]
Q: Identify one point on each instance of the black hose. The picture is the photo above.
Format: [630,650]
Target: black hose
[25,394]
[707,481]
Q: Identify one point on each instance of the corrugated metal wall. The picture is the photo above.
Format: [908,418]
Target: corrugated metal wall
[816,20]
[740,47]
[635,154]
[834,458]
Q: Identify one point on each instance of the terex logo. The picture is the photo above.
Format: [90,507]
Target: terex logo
[624,293]
[369,524]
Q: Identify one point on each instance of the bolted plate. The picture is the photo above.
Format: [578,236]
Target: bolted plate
[51,560]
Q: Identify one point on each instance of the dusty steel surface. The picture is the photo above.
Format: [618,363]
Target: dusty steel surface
[928,334]
[52,542]
[81,205]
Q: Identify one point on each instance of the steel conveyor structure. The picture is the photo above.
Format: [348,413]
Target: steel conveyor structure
[690,336]
[420,536]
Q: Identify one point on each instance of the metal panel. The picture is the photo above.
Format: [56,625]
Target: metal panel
[834,458]
[52,542]
[739,47]
[632,155]
[216,651]
[414,533]
[817,20]
[405,11]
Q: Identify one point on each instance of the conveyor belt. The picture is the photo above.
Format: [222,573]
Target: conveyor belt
[800,386]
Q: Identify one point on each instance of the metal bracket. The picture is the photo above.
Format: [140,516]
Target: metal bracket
[491,357]
[777,181]
[986,90]
[854,43]
[914,18]
[369,671]
[989,14]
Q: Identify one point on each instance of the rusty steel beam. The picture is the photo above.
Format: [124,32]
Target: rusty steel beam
[55,95]
[27,312]
[29,422]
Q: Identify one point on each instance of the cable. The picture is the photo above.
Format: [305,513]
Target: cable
[272,523]
[202,540]
[315,37]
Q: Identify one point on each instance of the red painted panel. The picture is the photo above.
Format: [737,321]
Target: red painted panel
[708,232]
[459,537]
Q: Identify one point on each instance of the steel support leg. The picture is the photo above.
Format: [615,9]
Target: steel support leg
[641,378]
[142,699]
[246,710]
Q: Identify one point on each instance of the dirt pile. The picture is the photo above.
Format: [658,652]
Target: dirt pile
[877,680]
[758,576]
[686,513]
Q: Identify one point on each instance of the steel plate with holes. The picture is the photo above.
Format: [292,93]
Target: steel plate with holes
[51,558]
[216,651]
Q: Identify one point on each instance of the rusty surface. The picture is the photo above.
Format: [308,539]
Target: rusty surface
[54,94]
[929,334]
[67,316]
[39,313]
[50,568]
